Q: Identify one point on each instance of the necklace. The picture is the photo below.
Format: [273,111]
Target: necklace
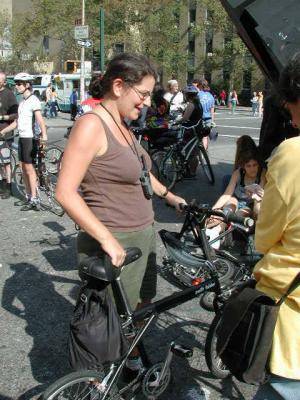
[122,133]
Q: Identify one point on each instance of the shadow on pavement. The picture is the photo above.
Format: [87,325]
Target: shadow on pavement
[47,315]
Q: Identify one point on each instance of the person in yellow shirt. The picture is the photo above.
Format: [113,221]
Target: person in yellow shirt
[278,237]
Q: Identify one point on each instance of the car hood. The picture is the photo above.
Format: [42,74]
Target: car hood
[269,28]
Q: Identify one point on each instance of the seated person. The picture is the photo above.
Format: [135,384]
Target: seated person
[245,189]
[193,111]
[157,116]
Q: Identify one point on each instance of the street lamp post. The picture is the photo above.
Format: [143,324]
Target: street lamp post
[82,64]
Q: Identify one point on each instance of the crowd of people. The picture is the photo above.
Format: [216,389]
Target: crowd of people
[114,208]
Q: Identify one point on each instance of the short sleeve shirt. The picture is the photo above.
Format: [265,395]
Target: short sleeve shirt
[8,105]
[208,102]
[176,102]
[26,119]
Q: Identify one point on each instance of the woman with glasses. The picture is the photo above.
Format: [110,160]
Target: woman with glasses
[104,158]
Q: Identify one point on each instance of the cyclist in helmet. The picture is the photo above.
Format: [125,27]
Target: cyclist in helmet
[193,112]
[31,126]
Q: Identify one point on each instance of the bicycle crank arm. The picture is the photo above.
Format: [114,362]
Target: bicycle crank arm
[181,351]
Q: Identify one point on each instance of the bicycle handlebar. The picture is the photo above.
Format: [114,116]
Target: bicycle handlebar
[227,216]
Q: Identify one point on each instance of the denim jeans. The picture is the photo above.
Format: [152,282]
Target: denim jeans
[279,388]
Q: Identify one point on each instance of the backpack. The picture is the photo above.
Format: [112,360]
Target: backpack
[96,336]
[245,332]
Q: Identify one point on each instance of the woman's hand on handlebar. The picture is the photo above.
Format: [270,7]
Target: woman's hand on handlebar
[113,248]
[175,201]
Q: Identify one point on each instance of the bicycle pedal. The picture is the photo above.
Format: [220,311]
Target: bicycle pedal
[181,351]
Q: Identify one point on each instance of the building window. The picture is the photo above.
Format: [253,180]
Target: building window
[209,40]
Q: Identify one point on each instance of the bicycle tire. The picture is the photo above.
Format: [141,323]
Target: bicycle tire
[156,158]
[213,361]
[13,161]
[84,385]
[19,181]
[168,171]
[206,166]
[52,160]
[46,194]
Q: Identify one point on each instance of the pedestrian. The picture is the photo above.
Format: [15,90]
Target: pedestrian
[277,237]
[208,105]
[73,104]
[260,101]
[8,114]
[222,98]
[48,95]
[175,99]
[53,103]
[30,122]
[254,102]
[229,100]
[114,209]
[234,101]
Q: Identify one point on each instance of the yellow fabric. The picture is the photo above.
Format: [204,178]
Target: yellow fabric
[278,237]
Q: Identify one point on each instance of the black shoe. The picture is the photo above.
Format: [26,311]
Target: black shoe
[7,191]
[2,186]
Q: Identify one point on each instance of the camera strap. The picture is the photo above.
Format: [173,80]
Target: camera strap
[147,189]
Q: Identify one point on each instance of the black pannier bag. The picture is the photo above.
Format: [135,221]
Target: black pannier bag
[245,333]
[95,336]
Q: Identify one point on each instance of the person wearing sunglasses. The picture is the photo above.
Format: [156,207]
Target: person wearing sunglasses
[31,127]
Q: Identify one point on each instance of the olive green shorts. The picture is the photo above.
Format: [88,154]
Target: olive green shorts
[140,277]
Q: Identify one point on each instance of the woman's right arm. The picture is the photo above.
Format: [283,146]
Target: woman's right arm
[226,196]
[87,140]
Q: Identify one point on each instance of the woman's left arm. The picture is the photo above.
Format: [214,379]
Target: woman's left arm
[162,191]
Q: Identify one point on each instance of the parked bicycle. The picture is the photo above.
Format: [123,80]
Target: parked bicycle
[181,159]
[46,183]
[228,264]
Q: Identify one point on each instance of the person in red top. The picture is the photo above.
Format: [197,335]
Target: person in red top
[94,91]
[222,98]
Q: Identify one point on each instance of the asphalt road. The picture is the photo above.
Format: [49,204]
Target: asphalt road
[39,283]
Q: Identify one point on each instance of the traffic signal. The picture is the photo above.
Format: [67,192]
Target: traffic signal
[70,66]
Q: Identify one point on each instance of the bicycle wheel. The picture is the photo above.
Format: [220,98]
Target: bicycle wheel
[19,181]
[205,163]
[168,171]
[53,156]
[46,194]
[81,385]
[156,158]
[213,361]
[13,161]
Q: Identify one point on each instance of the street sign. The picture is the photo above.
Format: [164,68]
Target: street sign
[85,43]
[81,32]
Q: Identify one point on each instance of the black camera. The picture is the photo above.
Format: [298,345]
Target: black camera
[145,180]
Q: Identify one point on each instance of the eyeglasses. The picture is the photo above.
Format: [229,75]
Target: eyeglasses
[143,95]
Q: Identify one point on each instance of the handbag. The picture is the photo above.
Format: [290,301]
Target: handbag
[96,335]
[245,332]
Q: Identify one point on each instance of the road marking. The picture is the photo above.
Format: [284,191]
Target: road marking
[236,137]
[253,118]
[236,127]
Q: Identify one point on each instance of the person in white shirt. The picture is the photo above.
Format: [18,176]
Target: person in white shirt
[175,99]
[30,124]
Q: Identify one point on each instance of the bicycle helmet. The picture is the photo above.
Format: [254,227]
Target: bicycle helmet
[190,89]
[23,76]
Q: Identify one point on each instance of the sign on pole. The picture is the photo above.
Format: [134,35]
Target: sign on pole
[85,43]
[81,32]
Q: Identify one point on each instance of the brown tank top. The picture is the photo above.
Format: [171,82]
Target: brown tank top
[112,189]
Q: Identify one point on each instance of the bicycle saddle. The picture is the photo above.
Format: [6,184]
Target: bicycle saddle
[100,266]
[179,251]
